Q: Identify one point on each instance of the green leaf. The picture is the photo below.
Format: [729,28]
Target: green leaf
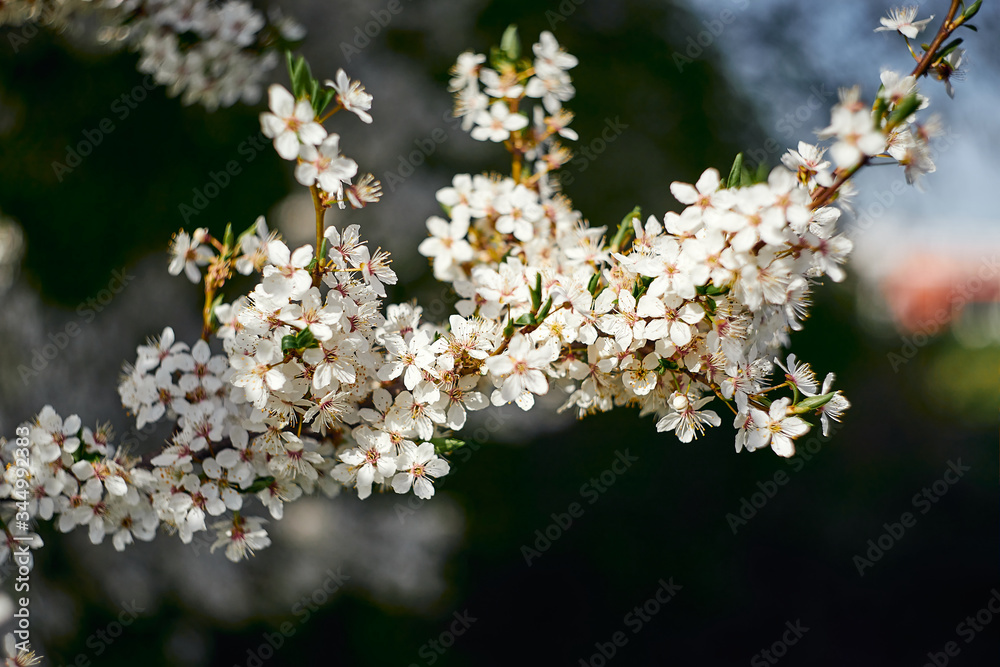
[595,281]
[315,260]
[302,340]
[735,174]
[625,228]
[322,100]
[497,59]
[948,48]
[536,293]
[524,320]
[510,44]
[880,108]
[762,173]
[666,365]
[711,290]
[972,10]
[300,75]
[295,72]
[314,96]
[81,454]
[227,237]
[290,64]
[544,312]
[710,306]
[969,26]
[746,179]
[903,110]
[259,484]
[812,403]
[641,285]
[446,445]
[305,339]
[305,80]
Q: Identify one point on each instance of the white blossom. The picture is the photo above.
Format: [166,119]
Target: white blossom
[351,95]
[901,19]
[497,123]
[290,123]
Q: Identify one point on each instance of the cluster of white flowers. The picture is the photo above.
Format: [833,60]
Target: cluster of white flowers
[190,252]
[319,389]
[664,316]
[300,136]
[861,133]
[209,53]
[319,353]
[890,127]
[697,300]
[213,53]
[496,111]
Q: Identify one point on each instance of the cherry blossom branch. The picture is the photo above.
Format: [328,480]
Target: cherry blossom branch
[321,389]
[947,27]
[822,196]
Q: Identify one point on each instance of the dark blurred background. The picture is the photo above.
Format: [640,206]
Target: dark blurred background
[757,544]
